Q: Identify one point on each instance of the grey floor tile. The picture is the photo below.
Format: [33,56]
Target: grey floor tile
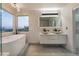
[41,50]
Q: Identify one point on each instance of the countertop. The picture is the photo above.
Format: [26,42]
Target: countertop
[53,34]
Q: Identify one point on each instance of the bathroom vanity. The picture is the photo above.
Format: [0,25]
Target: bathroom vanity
[53,38]
[51,31]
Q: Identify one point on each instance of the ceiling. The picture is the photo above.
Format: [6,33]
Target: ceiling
[38,6]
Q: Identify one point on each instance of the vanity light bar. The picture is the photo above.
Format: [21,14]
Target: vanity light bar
[50,14]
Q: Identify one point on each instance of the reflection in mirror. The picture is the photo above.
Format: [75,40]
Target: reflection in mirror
[50,21]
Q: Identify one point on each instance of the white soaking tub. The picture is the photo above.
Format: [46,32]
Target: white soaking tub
[14,44]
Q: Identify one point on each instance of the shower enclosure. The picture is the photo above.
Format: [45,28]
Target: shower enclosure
[76,27]
[0,30]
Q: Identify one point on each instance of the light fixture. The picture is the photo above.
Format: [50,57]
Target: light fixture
[15,5]
[44,9]
[49,10]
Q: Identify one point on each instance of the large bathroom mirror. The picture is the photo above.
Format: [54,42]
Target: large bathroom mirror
[50,21]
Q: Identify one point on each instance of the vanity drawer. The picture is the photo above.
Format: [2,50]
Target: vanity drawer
[49,37]
[62,38]
[54,39]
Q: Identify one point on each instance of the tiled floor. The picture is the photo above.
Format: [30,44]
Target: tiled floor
[44,50]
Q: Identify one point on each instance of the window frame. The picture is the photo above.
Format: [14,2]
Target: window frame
[17,25]
[12,22]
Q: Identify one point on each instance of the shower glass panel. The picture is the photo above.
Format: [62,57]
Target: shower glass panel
[0,30]
[76,18]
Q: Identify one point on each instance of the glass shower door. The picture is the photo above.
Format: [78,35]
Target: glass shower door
[76,18]
[0,30]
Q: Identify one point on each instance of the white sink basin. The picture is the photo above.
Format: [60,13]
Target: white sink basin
[47,34]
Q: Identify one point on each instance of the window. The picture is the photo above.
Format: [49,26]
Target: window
[23,23]
[7,21]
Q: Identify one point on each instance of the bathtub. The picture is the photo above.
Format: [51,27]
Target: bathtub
[13,45]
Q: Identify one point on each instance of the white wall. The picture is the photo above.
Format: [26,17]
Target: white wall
[34,27]
[33,33]
[67,20]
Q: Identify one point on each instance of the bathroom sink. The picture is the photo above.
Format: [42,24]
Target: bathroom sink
[46,33]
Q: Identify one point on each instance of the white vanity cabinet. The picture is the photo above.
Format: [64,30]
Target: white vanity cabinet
[53,39]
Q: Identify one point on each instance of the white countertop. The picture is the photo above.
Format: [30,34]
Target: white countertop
[52,34]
